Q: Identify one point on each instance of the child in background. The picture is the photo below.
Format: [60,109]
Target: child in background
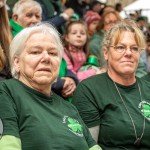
[75,52]
[92,20]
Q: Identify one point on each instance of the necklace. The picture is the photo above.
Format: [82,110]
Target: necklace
[137,139]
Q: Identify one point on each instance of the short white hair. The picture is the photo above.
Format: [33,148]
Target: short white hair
[18,43]
[21,5]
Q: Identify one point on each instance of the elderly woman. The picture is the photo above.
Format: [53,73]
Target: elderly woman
[117,108]
[32,116]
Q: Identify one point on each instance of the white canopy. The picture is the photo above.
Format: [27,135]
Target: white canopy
[143,5]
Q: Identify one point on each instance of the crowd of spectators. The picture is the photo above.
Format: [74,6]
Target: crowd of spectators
[82,26]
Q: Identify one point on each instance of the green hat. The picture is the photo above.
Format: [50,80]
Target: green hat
[144,18]
[75,16]
[92,60]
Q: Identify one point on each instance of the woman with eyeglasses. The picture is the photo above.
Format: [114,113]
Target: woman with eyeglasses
[32,116]
[116,105]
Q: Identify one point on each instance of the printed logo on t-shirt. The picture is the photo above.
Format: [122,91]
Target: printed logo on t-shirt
[145,109]
[73,125]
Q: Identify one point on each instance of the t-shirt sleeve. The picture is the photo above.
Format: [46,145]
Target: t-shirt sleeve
[86,105]
[8,142]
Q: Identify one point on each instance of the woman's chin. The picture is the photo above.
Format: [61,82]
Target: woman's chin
[44,80]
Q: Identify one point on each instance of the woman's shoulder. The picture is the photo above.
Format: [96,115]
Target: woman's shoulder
[146,77]
[7,81]
[95,80]
[9,85]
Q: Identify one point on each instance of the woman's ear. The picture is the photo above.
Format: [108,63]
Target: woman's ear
[105,52]
[16,63]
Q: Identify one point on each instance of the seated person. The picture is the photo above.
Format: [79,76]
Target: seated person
[32,116]
[26,15]
[47,9]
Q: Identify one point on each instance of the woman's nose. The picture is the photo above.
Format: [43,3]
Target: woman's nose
[45,56]
[128,50]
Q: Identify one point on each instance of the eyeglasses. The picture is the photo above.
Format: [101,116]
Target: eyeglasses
[110,22]
[121,49]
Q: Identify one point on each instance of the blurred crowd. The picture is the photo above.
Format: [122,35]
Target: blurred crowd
[82,26]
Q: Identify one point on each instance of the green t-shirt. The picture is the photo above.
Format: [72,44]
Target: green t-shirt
[99,103]
[41,122]
[147,77]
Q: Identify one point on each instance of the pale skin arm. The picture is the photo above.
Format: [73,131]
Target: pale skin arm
[95,132]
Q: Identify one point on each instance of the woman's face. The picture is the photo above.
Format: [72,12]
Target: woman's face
[109,21]
[124,63]
[2,3]
[38,64]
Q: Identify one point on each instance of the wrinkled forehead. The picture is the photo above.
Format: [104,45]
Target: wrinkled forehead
[41,36]
[29,7]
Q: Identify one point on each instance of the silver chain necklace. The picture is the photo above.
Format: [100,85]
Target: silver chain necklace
[138,139]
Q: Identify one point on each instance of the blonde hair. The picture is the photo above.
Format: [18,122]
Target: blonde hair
[5,36]
[16,48]
[102,22]
[113,35]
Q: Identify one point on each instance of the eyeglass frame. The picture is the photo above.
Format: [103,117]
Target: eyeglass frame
[125,48]
[111,22]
